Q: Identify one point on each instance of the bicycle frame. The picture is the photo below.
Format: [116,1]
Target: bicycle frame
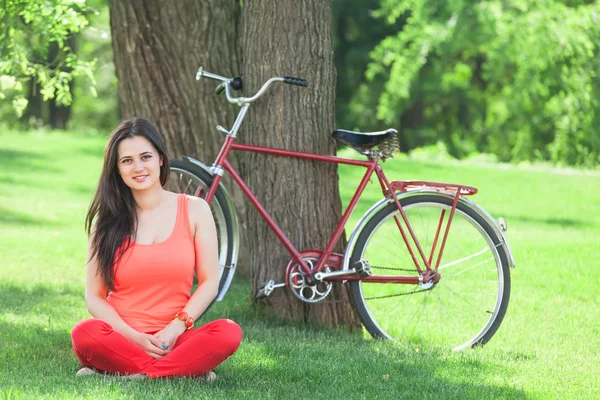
[222,164]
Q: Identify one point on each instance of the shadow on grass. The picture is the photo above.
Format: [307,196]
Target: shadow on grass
[274,361]
[562,222]
[19,168]
[93,151]
[35,343]
[17,157]
[271,363]
[18,161]
[12,217]
[346,367]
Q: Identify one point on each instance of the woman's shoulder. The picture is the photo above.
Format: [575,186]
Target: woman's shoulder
[198,208]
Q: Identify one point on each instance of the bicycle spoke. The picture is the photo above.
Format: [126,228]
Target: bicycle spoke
[474,266]
[456,312]
[185,190]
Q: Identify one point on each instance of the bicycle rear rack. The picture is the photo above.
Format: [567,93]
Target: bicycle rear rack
[404,186]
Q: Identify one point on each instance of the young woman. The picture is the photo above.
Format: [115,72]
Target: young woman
[145,244]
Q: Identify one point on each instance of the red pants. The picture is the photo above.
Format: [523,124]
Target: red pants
[196,351]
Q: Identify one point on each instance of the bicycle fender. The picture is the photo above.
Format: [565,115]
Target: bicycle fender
[440,193]
[234,224]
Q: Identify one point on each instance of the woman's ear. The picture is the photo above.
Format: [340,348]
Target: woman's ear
[161,161]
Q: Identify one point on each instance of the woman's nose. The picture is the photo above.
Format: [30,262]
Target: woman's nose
[138,165]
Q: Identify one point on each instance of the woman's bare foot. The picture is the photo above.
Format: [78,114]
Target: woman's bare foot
[85,371]
[209,376]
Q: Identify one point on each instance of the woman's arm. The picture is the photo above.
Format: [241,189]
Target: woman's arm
[207,268]
[207,258]
[95,300]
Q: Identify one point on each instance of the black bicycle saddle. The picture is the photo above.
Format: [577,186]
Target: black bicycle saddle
[362,140]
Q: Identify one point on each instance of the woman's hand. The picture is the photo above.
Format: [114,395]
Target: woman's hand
[170,333]
[150,344]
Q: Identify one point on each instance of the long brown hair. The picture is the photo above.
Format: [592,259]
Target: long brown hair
[112,212]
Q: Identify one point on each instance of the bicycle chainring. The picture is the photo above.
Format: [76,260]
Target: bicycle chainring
[301,289]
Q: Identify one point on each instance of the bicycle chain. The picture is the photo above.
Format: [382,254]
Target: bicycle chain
[399,294]
[395,269]
[381,297]
[377,298]
[396,295]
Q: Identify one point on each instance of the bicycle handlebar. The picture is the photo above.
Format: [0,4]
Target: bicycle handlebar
[295,81]
[228,84]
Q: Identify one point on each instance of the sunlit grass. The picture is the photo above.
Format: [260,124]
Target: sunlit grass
[547,347]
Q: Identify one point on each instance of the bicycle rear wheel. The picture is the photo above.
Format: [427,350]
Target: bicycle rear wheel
[186,178]
[464,309]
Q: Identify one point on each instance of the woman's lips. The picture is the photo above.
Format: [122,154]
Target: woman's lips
[140,178]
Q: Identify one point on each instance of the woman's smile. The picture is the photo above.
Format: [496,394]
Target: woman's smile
[140,178]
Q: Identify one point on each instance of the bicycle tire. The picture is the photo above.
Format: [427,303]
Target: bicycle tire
[412,315]
[185,177]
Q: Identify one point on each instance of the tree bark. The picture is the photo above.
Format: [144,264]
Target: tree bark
[59,115]
[158,47]
[34,113]
[291,38]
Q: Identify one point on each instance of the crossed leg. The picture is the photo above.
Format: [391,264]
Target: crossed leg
[196,352]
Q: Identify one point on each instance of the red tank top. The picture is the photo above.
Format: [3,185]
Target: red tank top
[153,281]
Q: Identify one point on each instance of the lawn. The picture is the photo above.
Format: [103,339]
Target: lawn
[547,347]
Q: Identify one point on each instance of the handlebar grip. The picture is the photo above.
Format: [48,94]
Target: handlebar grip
[295,81]
[220,88]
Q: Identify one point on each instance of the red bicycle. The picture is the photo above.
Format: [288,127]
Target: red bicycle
[412,278]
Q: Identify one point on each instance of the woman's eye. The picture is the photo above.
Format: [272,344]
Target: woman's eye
[146,157]
[125,161]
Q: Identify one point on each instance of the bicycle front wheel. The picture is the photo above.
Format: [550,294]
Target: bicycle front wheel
[464,309]
[186,178]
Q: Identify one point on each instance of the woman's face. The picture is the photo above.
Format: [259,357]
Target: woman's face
[139,163]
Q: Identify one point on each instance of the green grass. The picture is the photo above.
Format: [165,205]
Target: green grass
[547,347]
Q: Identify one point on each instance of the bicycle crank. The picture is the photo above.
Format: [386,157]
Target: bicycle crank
[304,288]
[267,288]
[361,267]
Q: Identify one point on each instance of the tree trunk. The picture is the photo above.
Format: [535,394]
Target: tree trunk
[291,38]
[158,47]
[34,113]
[59,115]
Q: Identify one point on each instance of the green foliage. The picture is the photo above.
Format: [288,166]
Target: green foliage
[28,30]
[96,106]
[515,78]
[356,32]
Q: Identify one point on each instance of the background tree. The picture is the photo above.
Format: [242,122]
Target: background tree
[293,39]
[518,79]
[158,46]
[96,110]
[356,31]
[35,51]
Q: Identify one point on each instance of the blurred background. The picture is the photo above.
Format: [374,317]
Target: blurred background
[510,81]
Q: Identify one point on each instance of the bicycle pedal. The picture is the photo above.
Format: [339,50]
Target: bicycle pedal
[267,288]
[363,268]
